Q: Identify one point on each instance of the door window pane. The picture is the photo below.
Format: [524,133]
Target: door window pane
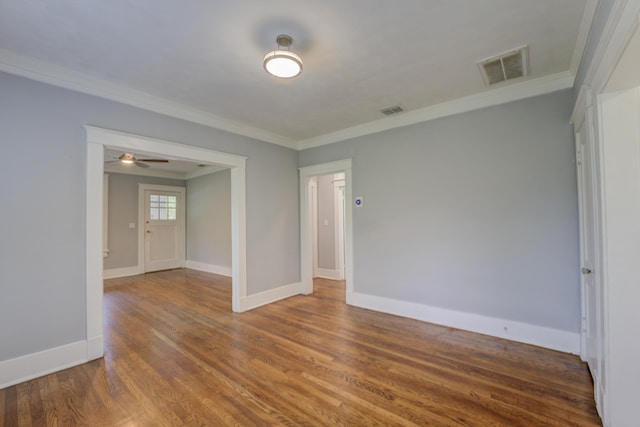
[162,207]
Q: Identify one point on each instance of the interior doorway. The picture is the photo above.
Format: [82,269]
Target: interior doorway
[309,221]
[97,140]
[327,216]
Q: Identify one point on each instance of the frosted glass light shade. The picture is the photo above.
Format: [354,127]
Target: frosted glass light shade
[282,63]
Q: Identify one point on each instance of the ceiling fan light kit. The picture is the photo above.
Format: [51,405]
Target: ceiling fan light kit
[127,158]
[282,63]
[130,159]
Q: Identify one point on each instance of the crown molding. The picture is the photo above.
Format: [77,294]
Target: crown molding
[623,22]
[583,34]
[63,77]
[502,95]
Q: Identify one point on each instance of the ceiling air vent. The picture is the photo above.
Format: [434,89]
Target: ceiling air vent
[390,111]
[506,66]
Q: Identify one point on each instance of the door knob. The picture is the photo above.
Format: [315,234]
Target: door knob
[586,270]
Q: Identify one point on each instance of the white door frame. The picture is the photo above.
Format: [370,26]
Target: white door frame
[306,241]
[313,211]
[615,127]
[339,208]
[97,140]
[141,221]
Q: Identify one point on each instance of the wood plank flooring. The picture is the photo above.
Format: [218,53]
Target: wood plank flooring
[177,355]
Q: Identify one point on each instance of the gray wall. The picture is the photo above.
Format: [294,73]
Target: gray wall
[209,219]
[326,233]
[42,251]
[123,209]
[475,212]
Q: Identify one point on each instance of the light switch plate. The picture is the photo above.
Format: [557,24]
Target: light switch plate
[359,201]
[132,225]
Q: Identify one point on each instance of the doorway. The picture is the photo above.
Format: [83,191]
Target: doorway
[97,140]
[327,216]
[309,222]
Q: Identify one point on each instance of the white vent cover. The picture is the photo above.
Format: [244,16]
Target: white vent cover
[389,111]
[505,66]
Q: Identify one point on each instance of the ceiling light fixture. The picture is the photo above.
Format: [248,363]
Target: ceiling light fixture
[127,158]
[283,63]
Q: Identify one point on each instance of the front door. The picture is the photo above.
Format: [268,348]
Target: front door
[164,233]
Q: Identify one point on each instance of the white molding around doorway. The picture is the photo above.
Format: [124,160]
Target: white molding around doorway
[306,246]
[97,140]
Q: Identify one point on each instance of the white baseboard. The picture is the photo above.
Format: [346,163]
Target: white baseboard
[515,331]
[328,274]
[95,347]
[120,272]
[34,365]
[209,268]
[253,301]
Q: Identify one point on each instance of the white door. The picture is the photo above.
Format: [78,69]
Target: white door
[591,332]
[163,230]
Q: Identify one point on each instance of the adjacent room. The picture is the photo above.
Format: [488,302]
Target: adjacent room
[319,212]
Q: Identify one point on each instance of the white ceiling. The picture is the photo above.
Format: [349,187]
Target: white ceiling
[202,59]
[174,168]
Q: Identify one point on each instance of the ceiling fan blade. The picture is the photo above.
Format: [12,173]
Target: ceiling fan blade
[142,165]
[154,160]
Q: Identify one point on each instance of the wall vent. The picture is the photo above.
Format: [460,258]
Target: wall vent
[390,111]
[506,66]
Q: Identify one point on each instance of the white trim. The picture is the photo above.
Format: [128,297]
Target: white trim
[306,246]
[583,34]
[238,237]
[66,78]
[209,268]
[611,394]
[325,273]
[313,218]
[515,331]
[97,139]
[105,213]
[272,295]
[338,209]
[502,95]
[34,365]
[202,171]
[114,273]
[621,25]
[182,239]
[122,140]
[93,246]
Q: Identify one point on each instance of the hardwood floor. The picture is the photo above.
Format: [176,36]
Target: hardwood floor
[177,355]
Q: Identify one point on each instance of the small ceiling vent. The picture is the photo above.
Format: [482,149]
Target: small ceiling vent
[506,66]
[390,111]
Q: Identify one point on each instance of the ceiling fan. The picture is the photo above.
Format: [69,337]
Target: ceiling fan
[129,158]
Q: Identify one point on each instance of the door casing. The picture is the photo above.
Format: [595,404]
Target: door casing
[97,140]
[306,228]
